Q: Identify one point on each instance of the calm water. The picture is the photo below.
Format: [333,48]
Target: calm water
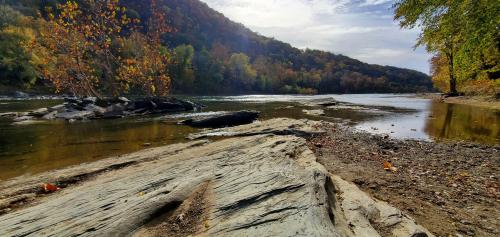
[40,147]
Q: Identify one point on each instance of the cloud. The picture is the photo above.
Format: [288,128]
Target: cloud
[375,2]
[362,29]
[275,13]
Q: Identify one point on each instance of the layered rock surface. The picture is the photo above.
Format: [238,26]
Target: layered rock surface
[266,183]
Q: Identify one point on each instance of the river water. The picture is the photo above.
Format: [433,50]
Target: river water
[31,149]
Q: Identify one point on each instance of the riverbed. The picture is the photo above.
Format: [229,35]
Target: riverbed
[31,149]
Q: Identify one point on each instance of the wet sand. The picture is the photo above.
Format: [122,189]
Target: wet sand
[450,188]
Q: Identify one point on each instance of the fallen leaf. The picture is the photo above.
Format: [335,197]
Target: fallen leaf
[387,166]
[49,188]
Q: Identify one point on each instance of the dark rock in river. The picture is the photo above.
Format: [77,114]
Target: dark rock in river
[161,105]
[8,114]
[50,115]
[20,94]
[39,112]
[223,120]
[76,115]
[98,110]
[23,118]
[114,111]
[94,108]
[328,103]
[58,108]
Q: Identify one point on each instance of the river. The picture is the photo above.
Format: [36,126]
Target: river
[31,149]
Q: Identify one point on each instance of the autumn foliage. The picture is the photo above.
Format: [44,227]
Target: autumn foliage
[83,50]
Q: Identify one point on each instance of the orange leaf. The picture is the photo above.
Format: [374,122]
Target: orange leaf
[387,165]
[49,188]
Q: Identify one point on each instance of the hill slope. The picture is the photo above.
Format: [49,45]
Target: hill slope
[211,54]
[198,25]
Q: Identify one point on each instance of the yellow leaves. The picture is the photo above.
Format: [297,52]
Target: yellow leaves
[73,46]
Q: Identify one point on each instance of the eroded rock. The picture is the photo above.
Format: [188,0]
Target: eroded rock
[278,126]
[369,217]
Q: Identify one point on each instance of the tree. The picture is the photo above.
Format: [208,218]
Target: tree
[82,45]
[440,72]
[440,22]
[16,68]
[209,73]
[182,67]
[241,71]
[8,16]
[464,32]
[148,67]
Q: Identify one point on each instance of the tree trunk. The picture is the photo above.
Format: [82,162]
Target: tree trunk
[453,80]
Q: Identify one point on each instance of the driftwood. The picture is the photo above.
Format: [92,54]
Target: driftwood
[259,185]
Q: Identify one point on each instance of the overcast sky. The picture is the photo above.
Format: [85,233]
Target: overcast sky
[362,29]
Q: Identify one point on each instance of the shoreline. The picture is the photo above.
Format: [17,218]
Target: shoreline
[449,188]
[486,102]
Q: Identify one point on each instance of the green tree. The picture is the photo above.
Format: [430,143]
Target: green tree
[15,63]
[440,21]
[241,72]
[8,16]
[464,32]
[209,73]
[182,68]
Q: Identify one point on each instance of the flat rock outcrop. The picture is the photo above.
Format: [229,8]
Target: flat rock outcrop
[265,184]
[277,126]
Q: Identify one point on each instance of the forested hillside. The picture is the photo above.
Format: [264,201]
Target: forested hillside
[209,54]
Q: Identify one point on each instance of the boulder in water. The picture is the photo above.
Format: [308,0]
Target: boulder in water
[39,112]
[76,115]
[223,120]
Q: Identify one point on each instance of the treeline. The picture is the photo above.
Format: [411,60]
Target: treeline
[218,71]
[207,54]
[464,37]
[229,58]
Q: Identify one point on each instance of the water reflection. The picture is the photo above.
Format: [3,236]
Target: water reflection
[41,147]
[463,122]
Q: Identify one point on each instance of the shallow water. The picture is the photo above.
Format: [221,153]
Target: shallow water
[36,148]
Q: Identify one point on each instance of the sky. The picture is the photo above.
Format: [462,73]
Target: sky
[361,29]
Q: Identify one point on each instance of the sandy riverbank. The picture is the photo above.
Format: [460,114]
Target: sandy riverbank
[480,101]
